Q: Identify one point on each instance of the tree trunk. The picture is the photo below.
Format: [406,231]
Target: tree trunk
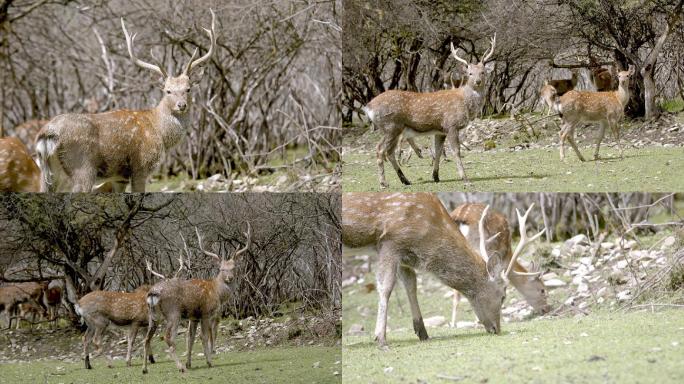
[651,110]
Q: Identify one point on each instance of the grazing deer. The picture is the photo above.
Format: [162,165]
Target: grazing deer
[414,231]
[605,108]
[76,150]
[100,309]
[528,283]
[196,300]
[441,114]
[548,94]
[30,311]
[18,171]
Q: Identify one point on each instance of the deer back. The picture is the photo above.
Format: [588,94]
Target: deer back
[121,308]
[186,299]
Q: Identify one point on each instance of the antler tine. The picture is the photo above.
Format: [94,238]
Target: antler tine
[491,51]
[149,268]
[129,43]
[180,255]
[199,240]
[454,52]
[249,241]
[524,240]
[212,37]
[481,230]
[493,237]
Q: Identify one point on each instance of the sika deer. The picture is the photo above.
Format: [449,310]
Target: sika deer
[100,309]
[548,94]
[77,150]
[528,283]
[605,108]
[198,301]
[441,114]
[18,171]
[414,231]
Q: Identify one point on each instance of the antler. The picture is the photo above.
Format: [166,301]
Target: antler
[149,268]
[129,42]
[483,240]
[212,37]
[212,254]
[491,51]
[524,240]
[454,52]
[249,241]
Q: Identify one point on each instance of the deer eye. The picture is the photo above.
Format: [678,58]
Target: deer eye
[168,92]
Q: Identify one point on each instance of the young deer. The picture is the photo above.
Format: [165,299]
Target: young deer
[76,150]
[30,311]
[198,301]
[100,309]
[441,114]
[18,171]
[548,94]
[528,283]
[414,231]
[605,108]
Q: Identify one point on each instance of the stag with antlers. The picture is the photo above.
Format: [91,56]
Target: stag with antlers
[196,300]
[76,151]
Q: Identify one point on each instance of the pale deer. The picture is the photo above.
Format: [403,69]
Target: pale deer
[414,231]
[196,300]
[18,170]
[548,95]
[527,282]
[100,309]
[77,150]
[605,108]
[442,114]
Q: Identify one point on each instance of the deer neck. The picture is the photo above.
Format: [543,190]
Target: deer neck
[460,267]
[171,125]
[472,97]
[222,288]
[623,94]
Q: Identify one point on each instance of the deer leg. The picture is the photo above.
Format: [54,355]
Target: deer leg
[206,338]
[386,276]
[192,329]
[568,132]
[147,350]
[454,307]
[171,331]
[415,148]
[616,131]
[131,339]
[380,154]
[389,151]
[439,148]
[601,132]
[455,143]
[87,338]
[138,183]
[119,186]
[214,332]
[83,179]
[408,277]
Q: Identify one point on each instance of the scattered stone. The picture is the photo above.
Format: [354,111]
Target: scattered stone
[594,358]
[624,295]
[435,321]
[555,283]
[356,330]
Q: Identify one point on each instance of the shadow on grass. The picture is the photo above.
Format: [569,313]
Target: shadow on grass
[489,178]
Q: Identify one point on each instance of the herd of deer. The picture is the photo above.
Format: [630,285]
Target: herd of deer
[443,114]
[414,231]
[81,152]
[30,302]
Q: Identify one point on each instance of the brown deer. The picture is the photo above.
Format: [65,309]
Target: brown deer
[496,227]
[441,114]
[563,86]
[605,108]
[414,231]
[52,299]
[30,311]
[77,150]
[100,309]
[18,171]
[196,300]
[13,295]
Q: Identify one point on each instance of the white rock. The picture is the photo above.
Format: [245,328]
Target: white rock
[356,330]
[600,300]
[626,244]
[668,242]
[623,295]
[569,301]
[601,291]
[583,305]
[348,281]
[577,280]
[585,260]
[554,283]
[549,276]
[435,321]
[607,245]
[388,370]
[583,287]
[622,264]
[576,240]
[466,324]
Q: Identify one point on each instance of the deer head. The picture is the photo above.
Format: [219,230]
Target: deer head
[476,72]
[176,88]
[227,266]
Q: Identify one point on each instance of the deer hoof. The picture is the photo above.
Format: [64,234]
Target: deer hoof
[435,177]
[144,371]
[151,358]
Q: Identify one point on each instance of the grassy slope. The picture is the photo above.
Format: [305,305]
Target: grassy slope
[538,350]
[266,365]
[648,169]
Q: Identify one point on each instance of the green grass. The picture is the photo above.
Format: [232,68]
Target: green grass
[650,169]
[265,365]
[673,105]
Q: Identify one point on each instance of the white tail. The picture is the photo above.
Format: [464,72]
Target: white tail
[605,108]
[441,114]
[121,146]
